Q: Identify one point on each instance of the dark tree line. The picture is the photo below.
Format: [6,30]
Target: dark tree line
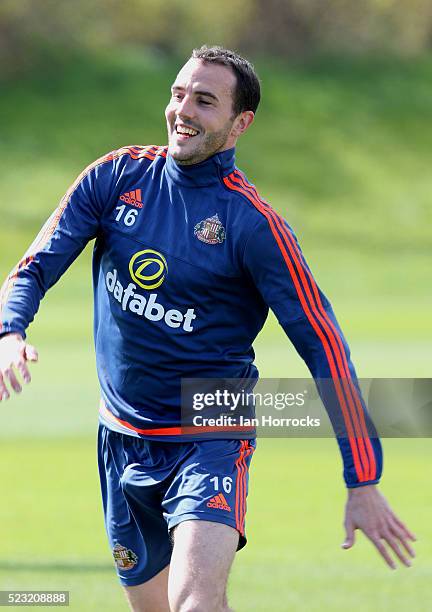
[31,28]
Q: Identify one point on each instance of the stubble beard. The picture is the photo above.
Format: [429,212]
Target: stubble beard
[210,145]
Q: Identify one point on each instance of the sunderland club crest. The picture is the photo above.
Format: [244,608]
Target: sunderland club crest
[210,231]
[124,558]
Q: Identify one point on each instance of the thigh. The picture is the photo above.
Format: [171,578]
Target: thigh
[152,596]
[202,557]
[136,529]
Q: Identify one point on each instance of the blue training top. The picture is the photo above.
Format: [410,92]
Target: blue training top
[187,261]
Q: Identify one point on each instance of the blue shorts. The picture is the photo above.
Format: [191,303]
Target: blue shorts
[149,487]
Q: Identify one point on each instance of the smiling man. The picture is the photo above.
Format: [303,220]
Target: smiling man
[216,118]
[187,261]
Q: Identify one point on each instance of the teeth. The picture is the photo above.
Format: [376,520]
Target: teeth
[185,130]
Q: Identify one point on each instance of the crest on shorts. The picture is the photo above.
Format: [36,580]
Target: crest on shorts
[124,558]
[210,231]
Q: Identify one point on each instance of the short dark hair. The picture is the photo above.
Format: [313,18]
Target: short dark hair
[247,93]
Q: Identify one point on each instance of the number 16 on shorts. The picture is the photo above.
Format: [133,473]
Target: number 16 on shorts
[225,482]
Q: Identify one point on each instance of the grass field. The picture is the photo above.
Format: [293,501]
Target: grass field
[54,538]
[343,150]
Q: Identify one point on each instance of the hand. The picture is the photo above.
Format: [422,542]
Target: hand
[14,354]
[367,509]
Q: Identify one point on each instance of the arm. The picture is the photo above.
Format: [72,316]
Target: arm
[276,264]
[62,238]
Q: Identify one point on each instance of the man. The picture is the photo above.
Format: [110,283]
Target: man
[188,259]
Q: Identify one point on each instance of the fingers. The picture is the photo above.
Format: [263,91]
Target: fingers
[393,536]
[350,535]
[404,528]
[23,370]
[394,545]
[402,535]
[4,393]
[382,550]
[10,375]
[14,355]
[369,511]
[30,353]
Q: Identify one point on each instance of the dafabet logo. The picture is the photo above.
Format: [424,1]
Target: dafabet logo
[148,269]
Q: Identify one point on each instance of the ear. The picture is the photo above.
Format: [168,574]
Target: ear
[241,123]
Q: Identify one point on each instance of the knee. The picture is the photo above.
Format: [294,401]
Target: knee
[187,607]
[184,603]
[191,606]
[200,607]
[196,603]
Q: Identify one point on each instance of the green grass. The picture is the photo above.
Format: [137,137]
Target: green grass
[342,149]
[54,536]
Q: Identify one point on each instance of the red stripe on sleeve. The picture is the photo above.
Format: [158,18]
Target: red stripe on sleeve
[347,382]
[353,439]
[368,456]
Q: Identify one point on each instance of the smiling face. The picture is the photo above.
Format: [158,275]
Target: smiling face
[200,118]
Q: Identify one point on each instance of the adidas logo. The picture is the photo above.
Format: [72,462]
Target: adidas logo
[219,502]
[133,198]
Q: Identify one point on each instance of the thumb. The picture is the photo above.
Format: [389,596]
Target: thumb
[349,536]
[30,353]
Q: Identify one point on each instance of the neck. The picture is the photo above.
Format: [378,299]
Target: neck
[206,172]
[190,162]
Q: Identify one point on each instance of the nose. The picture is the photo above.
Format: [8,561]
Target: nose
[185,108]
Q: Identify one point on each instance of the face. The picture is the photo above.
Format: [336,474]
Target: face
[199,116]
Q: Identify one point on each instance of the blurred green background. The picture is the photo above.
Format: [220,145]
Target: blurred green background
[342,147]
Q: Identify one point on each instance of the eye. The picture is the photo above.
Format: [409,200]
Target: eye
[205,102]
[176,96]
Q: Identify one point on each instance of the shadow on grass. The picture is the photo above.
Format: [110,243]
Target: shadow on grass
[77,567]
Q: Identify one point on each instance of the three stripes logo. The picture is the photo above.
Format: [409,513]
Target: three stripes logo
[133,198]
[219,502]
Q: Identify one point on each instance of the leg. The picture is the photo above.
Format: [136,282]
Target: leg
[202,556]
[136,529]
[152,596]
